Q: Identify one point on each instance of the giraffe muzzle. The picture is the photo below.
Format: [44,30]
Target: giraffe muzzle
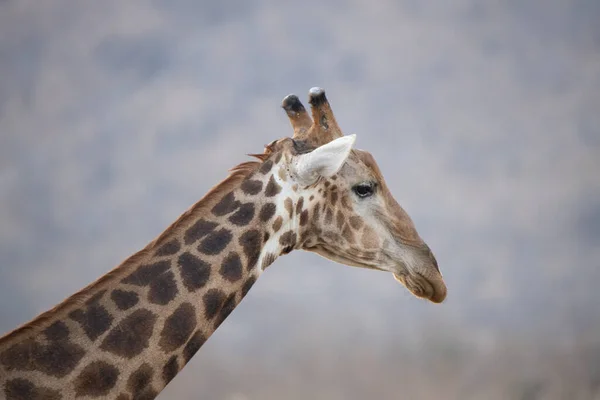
[432,289]
[420,272]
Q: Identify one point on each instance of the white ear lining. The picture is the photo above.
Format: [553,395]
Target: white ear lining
[323,161]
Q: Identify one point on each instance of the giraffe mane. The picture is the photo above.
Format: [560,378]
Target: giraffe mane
[236,175]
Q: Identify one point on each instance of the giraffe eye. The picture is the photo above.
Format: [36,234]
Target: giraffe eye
[365,189]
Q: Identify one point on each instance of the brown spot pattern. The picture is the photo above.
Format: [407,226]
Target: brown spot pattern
[243,215]
[194,272]
[197,231]
[346,202]
[96,379]
[331,236]
[299,205]
[57,331]
[304,217]
[348,235]
[251,187]
[145,274]
[178,327]
[304,236]
[231,268]
[130,336]
[215,242]
[56,358]
[265,168]
[213,300]
[272,188]
[140,383]
[328,216]
[24,389]
[226,309]
[288,241]
[251,242]
[289,206]
[170,369]
[267,211]
[193,345]
[248,285]
[169,248]
[334,198]
[369,238]
[355,222]
[94,319]
[277,224]
[228,204]
[339,219]
[124,299]
[163,289]
[316,213]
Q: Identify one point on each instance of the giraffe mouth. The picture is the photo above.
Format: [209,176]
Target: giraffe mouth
[433,290]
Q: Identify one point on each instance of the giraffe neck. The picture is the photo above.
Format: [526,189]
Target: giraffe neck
[129,333]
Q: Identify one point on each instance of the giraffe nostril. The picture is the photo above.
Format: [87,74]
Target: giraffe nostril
[427,254]
[434,262]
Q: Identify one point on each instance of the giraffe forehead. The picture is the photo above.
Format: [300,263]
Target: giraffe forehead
[360,165]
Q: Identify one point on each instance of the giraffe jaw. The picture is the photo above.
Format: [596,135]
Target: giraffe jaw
[432,289]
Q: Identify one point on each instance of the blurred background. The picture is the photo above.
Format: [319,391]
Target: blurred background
[484,117]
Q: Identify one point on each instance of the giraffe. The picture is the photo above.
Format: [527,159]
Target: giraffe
[128,334]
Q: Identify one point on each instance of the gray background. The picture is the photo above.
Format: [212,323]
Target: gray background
[116,116]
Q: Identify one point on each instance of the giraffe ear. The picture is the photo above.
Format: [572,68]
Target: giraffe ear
[324,161]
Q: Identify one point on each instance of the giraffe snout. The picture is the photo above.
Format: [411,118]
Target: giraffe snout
[433,290]
[423,278]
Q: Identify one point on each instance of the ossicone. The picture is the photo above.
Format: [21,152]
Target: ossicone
[323,127]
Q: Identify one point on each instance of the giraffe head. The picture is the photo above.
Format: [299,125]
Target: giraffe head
[341,207]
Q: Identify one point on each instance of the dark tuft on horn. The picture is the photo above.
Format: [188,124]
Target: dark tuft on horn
[291,103]
[297,114]
[316,96]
